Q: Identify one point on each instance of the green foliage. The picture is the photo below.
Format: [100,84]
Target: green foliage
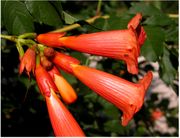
[43,12]
[20,16]
[168,72]
[16,17]
[153,43]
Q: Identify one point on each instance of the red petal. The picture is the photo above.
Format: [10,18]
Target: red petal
[134,22]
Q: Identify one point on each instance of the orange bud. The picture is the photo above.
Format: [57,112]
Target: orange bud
[64,61]
[65,89]
[50,39]
[62,121]
[28,61]
[44,81]
[125,95]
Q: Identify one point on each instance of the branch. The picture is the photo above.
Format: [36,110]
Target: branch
[74,26]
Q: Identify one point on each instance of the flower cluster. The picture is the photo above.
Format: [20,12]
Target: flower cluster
[118,44]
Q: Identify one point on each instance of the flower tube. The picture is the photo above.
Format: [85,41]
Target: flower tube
[118,44]
[44,81]
[62,121]
[65,89]
[64,61]
[125,95]
[28,61]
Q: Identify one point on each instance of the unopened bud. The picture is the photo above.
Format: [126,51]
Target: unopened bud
[49,52]
[48,65]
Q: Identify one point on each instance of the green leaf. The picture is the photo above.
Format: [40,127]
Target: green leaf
[158,19]
[115,126]
[71,79]
[91,96]
[111,110]
[153,46]
[58,6]
[140,131]
[68,18]
[16,17]
[171,33]
[116,22]
[167,71]
[145,8]
[80,56]
[44,12]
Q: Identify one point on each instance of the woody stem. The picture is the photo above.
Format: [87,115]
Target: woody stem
[99,7]
[74,26]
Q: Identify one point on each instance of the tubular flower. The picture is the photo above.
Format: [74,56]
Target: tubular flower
[28,61]
[125,95]
[44,81]
[64,61]
[62,121]
[117,44]
[65,89]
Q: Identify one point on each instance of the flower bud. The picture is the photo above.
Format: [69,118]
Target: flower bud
[65,89]
[48,65]
[28,61]
[49,52]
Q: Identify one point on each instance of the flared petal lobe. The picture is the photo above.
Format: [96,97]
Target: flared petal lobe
[28,61]
[44,81]
[65,89]
[62,121]
[135,24]
[135,21]
[125,95]
[64,61]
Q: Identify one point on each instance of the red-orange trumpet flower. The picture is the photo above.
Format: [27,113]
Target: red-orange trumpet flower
[28,61]
[126,95]
[117,44]
[44,81]
[64,61]
[65,89]
[62,121]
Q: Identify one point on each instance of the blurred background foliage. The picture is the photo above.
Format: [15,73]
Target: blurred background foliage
[23,110]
